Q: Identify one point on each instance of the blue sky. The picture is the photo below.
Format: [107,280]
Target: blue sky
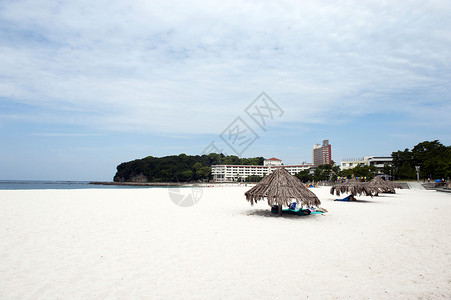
[87,85]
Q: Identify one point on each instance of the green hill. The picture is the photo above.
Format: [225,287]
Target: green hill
[177,168]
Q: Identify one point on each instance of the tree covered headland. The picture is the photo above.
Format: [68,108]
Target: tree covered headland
[433,158]
[176,168]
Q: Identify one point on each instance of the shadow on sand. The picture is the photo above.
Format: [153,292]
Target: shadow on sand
[356,201]
[268,214]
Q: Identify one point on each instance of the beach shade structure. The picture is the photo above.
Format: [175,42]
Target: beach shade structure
[393,185]
[353,187]
[379,185]
[281,188]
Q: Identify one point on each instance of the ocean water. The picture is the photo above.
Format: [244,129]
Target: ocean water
[58,185]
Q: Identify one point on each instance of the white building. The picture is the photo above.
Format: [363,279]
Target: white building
[230,173]
[350,163]
[381,161]
[272,162]
[378,161]
[294,169]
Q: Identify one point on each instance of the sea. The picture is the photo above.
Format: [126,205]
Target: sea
[59,185]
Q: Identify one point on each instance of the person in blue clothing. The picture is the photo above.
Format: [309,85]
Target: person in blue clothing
[349,198]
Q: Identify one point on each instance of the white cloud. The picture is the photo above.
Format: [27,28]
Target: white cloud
[193,66]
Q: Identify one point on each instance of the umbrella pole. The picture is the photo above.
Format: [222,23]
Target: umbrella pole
[280,209]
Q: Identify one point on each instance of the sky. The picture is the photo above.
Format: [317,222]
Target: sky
[86,85]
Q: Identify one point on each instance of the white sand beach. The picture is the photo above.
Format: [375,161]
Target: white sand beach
[137,244]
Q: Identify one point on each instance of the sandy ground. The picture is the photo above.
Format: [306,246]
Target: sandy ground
[136,244]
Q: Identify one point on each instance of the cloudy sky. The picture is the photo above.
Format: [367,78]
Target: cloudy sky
[86,85]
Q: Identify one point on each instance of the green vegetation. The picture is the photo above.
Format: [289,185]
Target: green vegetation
[175,168]
[330,172]
[321,173]
[326,172]
[305,176]
[360,171]
[433,158]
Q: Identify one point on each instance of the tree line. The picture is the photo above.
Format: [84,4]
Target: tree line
[330,172]
[433,158]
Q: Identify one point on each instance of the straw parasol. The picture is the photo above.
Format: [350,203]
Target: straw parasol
[393,184]
[380,185]
[281,188]
[352,187]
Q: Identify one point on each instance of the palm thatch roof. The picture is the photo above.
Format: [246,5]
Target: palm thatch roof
[281,188]
[352,187]
[394,185]
[379,185]
[382,186]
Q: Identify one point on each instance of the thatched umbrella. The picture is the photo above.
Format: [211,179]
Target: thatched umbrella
[352,187]
[382,186]
[281,188]
[379,186]
[393,184]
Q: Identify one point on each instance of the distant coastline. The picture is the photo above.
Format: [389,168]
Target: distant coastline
[166,184]
[138,183]
[74,185]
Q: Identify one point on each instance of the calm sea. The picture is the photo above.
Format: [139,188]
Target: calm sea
[52,185]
